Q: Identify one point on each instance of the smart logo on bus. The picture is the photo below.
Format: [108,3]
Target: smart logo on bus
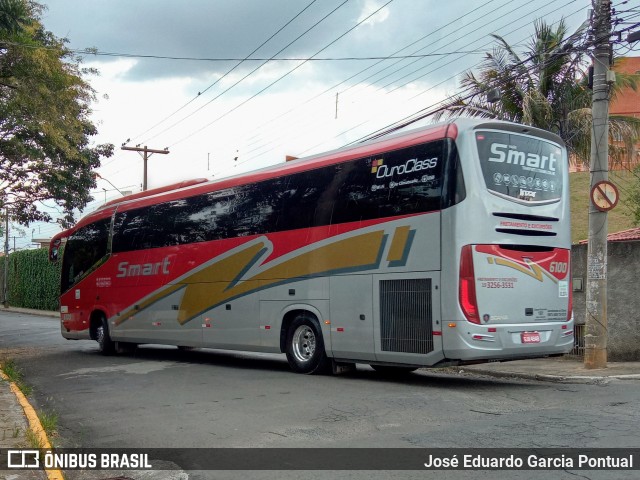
[126,269]
[531,161]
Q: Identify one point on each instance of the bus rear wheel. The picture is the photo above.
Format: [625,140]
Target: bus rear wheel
[305,347]
[106,346]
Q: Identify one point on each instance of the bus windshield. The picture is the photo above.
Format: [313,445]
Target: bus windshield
[84,249]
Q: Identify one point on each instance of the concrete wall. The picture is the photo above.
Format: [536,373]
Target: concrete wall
[623,304]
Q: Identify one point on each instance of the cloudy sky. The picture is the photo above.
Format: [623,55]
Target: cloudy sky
[172,73]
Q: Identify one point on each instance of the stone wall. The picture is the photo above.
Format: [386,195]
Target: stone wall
[623,303]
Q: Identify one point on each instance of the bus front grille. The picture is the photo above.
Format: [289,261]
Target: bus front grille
[405,315]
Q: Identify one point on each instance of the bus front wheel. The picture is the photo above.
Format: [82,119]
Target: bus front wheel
[106,346]
[304,347]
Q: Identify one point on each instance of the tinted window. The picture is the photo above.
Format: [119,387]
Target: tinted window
[401,182]
[519,166]
[83,251]
[397,183]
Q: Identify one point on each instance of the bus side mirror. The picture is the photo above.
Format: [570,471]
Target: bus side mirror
[54,248]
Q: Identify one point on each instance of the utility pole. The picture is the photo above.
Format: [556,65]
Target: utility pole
[146,153]
[596,311]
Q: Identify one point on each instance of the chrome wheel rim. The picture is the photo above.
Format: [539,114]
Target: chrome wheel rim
[304,343]
[100,335]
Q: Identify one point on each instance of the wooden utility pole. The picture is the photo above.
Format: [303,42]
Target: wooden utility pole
[596,311]
[146,153]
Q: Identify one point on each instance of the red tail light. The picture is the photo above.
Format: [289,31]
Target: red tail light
[467,293]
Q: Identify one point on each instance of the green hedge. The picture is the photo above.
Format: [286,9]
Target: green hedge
[34,282]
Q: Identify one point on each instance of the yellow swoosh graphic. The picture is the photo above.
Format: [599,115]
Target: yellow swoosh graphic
[221,280]
[534,270]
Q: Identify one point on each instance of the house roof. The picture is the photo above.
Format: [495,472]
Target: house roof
[632,234]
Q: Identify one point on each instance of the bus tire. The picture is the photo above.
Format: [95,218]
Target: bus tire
[305,347]
[106,346]
[393,371]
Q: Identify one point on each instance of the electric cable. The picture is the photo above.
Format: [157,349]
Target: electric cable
[251,72]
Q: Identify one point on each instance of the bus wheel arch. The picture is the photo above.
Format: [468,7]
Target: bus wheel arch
[302,340]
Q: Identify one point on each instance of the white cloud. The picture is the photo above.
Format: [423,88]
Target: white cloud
[371,6]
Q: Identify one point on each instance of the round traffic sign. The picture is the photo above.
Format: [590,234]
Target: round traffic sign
[604,196]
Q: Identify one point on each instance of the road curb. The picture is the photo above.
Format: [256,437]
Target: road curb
[34,424]
[580,379]
[30,311]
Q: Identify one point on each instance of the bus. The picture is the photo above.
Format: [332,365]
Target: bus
[443,245]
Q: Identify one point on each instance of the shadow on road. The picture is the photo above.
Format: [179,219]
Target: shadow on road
[276,363]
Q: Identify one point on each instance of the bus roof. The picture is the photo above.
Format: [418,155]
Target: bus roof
[397,141]
[198,186]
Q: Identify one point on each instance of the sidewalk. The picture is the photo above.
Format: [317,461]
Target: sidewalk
[557,369]
[13,432]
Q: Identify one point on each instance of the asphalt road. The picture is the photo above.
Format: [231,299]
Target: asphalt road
[160,397]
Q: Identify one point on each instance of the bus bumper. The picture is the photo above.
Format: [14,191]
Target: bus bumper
[466,341]
[75,334]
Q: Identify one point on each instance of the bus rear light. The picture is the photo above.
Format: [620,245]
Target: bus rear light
[467,292]
[483,338]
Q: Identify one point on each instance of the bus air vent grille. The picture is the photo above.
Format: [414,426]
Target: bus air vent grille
[405,315]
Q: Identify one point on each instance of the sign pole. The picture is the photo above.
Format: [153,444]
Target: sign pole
[595,338]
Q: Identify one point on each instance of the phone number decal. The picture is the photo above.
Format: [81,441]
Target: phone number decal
[497,284]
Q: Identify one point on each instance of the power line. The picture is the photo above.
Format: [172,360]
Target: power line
[251,73]
[230,70]
[428,111]
[353,76]
[449,78]
[433,52]
[285,75]
[254,59]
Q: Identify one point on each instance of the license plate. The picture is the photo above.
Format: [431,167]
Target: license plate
[530,337]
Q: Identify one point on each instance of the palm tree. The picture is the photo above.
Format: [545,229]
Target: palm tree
[547,88]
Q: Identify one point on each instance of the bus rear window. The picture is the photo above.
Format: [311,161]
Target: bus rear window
[520,166]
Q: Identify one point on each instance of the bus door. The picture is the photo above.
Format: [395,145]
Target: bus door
[352,317]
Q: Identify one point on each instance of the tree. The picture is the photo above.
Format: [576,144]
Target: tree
[45,129]
[634,196]
[546,88]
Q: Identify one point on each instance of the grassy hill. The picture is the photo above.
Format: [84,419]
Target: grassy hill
[619,218]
